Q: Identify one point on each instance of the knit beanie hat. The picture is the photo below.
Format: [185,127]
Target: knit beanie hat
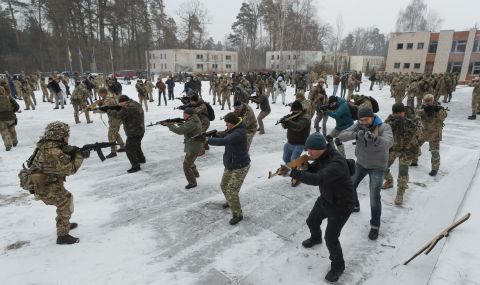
[123,98]
[398,108]
[231,118]
[316,141]
[365,112]
[296,106]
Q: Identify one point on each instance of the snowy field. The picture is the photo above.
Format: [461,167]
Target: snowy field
[145,228]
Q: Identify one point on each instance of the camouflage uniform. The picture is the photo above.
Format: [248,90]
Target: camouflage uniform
[45,94]
[50,167]
[215,90]
[79,100]
[475,97]
[398,87]
[224,85]
[191,130]
[18,88]
[413,91]
[8,107]
[432,118]
[362,101]
[350,87]
[25,90]
[406,134]
[142,94]
[248,118]
[149,87]
[114,123]
[231,183]
[441,87]
[269,86]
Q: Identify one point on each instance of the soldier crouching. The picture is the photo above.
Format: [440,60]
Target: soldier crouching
[50,166]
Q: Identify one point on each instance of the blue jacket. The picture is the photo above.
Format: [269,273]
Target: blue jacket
[342,116]
[235,142]
[170,83]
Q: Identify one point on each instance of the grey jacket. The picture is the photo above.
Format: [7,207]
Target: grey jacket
[371,155]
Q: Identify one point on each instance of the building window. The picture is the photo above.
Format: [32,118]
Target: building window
[160,56]
[420,46]
[406,65]
[410,46]
[214,66]
[396,65]
[474,68]
[278,57]
[154,66]
[288,66]
[278,66]
[228,57]
[273,57]
[164,56]
[476,45]
[289,57]
[199,56]
[323,57]
[200,66]
[399,46]
[273,66]
[432,48]
[228,66]
[416,65]
[165,65]
[455,66]
[294,56]
[161,65]
[459,46]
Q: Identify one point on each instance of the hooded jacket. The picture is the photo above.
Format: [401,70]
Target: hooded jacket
[342,116]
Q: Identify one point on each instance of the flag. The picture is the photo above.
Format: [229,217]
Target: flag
[111,55]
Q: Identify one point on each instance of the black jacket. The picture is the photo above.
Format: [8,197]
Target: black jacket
[235,142]
[54,86]
[298,129]
[331,174]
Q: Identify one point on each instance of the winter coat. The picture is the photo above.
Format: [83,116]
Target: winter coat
[192,131]
[235,142]
[133,119]
[248,117]
[342,116]
[298,129]
[170,83]
[331,174]
[371,154]
[8,108]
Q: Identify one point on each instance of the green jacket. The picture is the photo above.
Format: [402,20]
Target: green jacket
[192,131]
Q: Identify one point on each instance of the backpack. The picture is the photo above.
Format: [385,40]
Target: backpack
[353,110]
[25,175]
[211,112]
[374,103]
[351,166]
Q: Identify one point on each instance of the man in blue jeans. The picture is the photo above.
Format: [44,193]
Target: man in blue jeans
[373,140]
[298,129]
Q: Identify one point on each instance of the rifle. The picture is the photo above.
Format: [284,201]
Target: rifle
[167,122]
[288,117]
[72,150]
[323,107]
[292,164]
[430,245]
[183,107]
[106,108]
[253,97]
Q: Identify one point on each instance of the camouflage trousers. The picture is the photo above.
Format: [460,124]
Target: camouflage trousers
[434,147]
[143,101]
[349,95]
[216,97]
[340,147]
[189,168]
[76,111]
[411,100]
[269,91]
[226,98]
[403,164]
[398,97]
[45,95]
[249,139]
[475,103]
[232,181]
[113,135]
[32,97]
[28,102]
[260,118]
[55,194]
[8,133]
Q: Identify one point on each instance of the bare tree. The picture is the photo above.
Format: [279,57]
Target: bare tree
[193,20]
[417,17]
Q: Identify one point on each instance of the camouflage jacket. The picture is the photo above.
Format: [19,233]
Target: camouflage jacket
[80,95]
[432,118]
[191,130]
[202,112]
[406,134]
[54,163]
[133,119]
[141,89]
[248,117]
[476,87]
[413,89]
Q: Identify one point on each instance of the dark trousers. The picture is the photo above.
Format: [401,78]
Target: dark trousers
[343,90]
[371,84]
[133,148]
[335,222]
[160,97]
[170,94]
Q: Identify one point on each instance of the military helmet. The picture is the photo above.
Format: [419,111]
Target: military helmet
[56,131]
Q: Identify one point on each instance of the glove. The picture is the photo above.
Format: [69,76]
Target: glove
[284,170]
[103,108]
[70,149]
[359,134]
[85,153]
[370,137]
[329,138]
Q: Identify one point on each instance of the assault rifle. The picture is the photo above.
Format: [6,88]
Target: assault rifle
[105,108]
[251,98]
[183,107]
[72,150]
[211,133]
[324,107]
[429,246]
[167,122]
[289,117]
[292,164]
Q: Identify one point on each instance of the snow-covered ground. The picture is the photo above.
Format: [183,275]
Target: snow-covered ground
[145,228]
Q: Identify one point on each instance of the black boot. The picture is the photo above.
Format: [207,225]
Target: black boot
[122,149]
[414,163]
[73,226]
[235,220]
[433,173]
[190,186]
[472,117]
[311,241]
[67,239]
[334,274]
[134,169]
[373,235]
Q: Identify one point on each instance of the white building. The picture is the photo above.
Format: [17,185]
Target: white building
[367,63]
[292,60]
[197,61]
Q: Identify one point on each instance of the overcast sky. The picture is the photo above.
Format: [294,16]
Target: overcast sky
[457,15]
